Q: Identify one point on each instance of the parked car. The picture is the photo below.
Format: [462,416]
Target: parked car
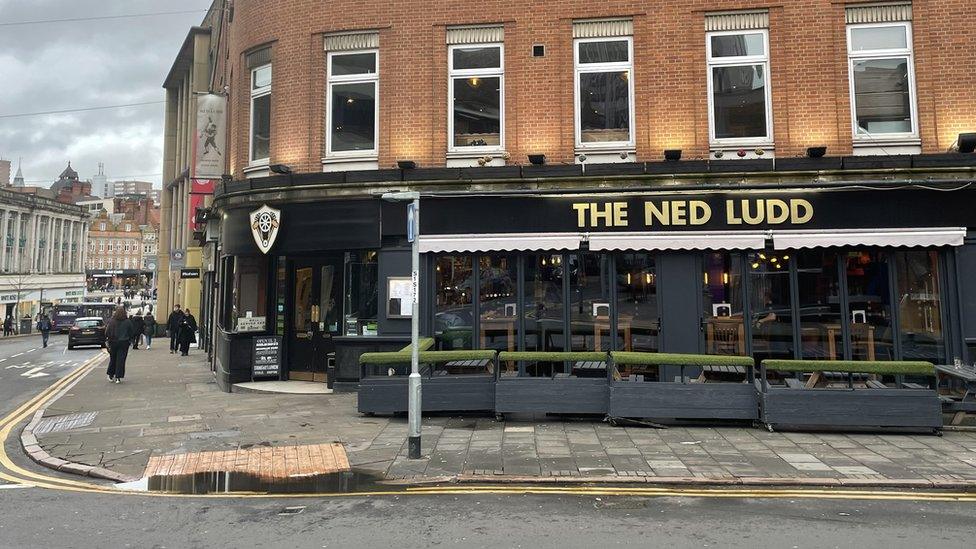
[87,331]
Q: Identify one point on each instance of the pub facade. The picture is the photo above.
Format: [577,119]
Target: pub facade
[773,197]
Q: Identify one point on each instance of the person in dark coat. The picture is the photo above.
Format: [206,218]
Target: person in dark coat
[44,326]
[188,332]
[137,327]
[8,326]
[149,329]
[118,333]
[173,327]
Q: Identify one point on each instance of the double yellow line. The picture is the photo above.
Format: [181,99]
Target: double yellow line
[11,472]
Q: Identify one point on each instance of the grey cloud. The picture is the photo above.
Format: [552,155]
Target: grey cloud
[87,64]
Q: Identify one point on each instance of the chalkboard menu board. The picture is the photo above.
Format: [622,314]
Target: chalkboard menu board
[267,357]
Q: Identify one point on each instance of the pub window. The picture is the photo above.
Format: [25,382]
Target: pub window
[353,113]
[248,295]
[589,301]
[920,306]
[724,320]
[882,81]
[869,304]
[543,316]
[770,305]
[818,288]
[260,134]
[498,302]
[454,312]
[604,92]
[477,90]
[638,321]
[361,282]
[738,87]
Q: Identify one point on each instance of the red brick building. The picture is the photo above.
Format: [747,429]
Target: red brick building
[803,50]
[776,180]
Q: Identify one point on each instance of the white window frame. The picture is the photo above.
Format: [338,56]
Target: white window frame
[453,73]
[257,93]
[589,68]
[744,60]
[852,57]
[331,80]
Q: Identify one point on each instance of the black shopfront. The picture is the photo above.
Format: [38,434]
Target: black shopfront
[831,273]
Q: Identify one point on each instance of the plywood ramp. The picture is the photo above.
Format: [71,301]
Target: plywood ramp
[262,461]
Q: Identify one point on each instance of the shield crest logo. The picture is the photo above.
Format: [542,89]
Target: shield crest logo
[264,227]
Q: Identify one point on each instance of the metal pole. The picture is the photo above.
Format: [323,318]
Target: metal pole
[414,382]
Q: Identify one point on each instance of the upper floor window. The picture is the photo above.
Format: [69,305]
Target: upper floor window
[260,85]
[882,80]
[101,226]
[476,88]
[739,103]
[604,87]
[353,98]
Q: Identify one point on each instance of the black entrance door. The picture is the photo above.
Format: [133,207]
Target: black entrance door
[315,313]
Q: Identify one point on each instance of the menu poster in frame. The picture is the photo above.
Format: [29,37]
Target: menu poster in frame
[399,297]
[266,357]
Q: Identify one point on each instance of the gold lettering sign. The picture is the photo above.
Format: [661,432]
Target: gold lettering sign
[683,213]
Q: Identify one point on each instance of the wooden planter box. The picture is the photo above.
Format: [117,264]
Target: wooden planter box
[464,393]
[661,400]
[851,408]
[543,395]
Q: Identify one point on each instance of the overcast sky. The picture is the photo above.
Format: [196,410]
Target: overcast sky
[71,65]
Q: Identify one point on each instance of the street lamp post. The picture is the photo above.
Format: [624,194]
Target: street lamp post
[413,386]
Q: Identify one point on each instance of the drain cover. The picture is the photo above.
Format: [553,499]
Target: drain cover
[57,424]
[292,511]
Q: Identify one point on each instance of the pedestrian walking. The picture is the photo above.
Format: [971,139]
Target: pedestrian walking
[173,327]
[44,326]
[149,329]
[8,326]
[119,333]
[188,332]
[137,328]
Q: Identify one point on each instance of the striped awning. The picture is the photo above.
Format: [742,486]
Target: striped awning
[693,240]
[912,238]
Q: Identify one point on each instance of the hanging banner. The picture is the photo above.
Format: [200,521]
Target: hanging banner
[211,137]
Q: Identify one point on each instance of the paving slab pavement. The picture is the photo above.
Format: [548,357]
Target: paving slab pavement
[170,405]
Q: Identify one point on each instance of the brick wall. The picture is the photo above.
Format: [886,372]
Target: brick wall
[809,77]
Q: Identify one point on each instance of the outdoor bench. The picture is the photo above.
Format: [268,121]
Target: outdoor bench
[687,397]
[868,404]
[444,389]
[557,392]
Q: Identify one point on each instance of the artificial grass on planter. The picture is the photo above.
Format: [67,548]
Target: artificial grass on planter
[674,359]
[425,343]
[544,356]
[852,366]
[426,357]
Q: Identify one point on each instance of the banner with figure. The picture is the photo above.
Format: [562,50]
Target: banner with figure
[211,137]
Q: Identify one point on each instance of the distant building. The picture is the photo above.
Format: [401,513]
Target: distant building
[115,252]
[100,183]
[95,204]
[69,188]
[19,177]
[42,252]
[4,173]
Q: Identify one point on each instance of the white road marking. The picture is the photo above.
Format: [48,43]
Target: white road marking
[33,372]
[15,486]
[16,355]
[2,359]
[30,350]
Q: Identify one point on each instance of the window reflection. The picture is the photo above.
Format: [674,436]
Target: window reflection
[722,301]
[769,300]
[821,336]
[453,302]
[589,296]
[637,312]
[919,306]
[498,299]
[869,305]
[544,302]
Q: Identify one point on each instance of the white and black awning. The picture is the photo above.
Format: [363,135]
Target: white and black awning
[931,237]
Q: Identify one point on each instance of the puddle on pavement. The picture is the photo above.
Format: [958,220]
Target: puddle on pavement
[234,482]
